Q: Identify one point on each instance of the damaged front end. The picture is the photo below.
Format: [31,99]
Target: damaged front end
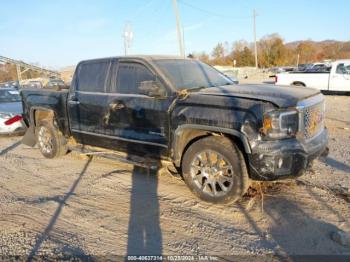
[288,141]
[272,160]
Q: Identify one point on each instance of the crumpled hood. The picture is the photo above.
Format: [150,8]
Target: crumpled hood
[281,96]
[13,107]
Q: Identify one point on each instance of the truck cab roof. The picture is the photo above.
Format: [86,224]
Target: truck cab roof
[143,57]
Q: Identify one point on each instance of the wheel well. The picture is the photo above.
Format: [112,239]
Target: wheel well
[190,136]
[40,114]
[298,83]
[186,139]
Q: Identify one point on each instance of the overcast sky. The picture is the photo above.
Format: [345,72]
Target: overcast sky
[59,33]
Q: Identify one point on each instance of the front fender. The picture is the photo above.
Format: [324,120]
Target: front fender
[180,140]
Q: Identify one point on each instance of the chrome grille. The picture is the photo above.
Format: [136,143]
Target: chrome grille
[313,120]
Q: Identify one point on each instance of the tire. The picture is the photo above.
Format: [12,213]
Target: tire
[50,140]
[223,179]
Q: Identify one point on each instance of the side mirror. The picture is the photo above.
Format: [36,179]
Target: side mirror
[151,88]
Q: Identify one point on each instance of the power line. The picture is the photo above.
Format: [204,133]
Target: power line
[142,9]
[149,32]
[213,13]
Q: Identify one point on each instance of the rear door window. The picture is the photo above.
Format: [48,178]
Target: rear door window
[93,76]
[129,77]
[343,69]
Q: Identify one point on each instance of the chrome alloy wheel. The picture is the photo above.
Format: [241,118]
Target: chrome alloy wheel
[212,173]
[45,140]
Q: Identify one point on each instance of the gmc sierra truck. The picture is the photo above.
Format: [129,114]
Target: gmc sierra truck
[218,134]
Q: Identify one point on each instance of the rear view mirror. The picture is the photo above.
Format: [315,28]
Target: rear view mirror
[151,88]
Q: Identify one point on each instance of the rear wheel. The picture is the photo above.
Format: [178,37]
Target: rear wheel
[50,140]
[214,169]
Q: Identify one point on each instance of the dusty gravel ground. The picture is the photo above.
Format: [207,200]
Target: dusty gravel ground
[80,206]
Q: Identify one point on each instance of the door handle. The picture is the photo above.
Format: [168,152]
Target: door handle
[116,106]
[73,102]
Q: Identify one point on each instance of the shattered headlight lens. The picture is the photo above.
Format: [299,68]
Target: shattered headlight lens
[280,124]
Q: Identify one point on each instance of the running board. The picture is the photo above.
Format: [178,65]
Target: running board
[121,157]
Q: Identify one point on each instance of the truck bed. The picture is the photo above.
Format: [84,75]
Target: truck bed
[56,101]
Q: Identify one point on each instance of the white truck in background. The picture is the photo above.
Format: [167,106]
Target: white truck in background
[337,79]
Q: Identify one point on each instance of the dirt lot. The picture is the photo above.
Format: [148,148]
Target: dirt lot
[76,205]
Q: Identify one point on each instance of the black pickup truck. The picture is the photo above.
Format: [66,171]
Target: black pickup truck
[218,134]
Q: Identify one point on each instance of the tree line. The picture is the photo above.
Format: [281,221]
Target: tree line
[273,51]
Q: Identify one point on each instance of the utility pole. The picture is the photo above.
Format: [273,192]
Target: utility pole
[18,71]
[178,27]
[183,42]
[298,59]
[255,44]
[125,47]
[128,36]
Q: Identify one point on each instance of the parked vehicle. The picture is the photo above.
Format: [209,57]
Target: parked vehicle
[44,82]
[10,84]
[55,83]
[32,84]
[181,111]
[337,79]
[10,112]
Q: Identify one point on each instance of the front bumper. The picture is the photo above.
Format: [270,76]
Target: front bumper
[273,160]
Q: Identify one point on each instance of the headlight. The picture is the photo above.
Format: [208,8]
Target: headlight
[5,115]
[280,124]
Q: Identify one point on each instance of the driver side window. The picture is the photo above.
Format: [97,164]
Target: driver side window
[129,77]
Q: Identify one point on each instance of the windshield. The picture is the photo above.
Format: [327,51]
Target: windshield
[9,96]
[190,74]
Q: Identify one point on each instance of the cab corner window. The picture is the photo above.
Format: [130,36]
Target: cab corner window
[93,76]
[129,77]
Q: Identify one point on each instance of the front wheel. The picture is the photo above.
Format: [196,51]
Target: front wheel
[215,170]
[50,140]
